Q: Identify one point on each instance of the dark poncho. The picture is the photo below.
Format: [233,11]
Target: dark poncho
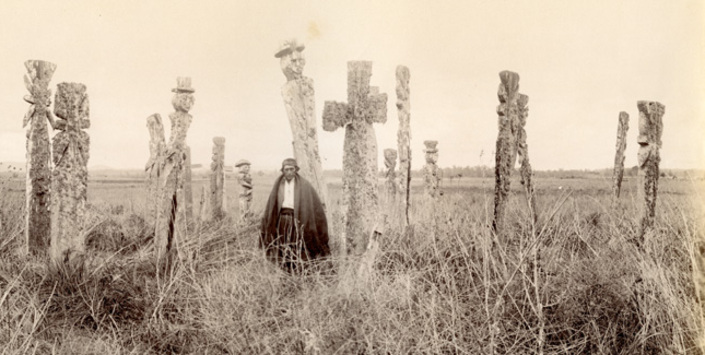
[308,211]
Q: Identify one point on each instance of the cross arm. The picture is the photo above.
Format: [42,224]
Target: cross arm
[335,114]
[377,107]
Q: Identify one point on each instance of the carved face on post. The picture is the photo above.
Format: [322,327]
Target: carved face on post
[431,157]
[390,158]
[183,102]
[292,65]
[183,95]
[291,59]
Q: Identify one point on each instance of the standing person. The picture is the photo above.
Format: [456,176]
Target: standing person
[294,226]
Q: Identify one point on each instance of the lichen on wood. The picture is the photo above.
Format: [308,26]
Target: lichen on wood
[299,100]
[245,180]
[38,179]
[365,106]
[650,130]
[505,152]
[404,136]
[70,175]
[218,178]
[618,172]
[431,174]
[170,221]
[390,163]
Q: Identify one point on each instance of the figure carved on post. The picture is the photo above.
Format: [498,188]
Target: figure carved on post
[650,130]
[218,179]
[404,136]
[299,99]
[523,154]
[38,179]
[431,174]
[187,194]
[70,175]
[170,222]
[157,147]
[245,180]
[365,106]
[618,173]
[390,163]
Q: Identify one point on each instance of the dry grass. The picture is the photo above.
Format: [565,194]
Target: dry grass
[575,283]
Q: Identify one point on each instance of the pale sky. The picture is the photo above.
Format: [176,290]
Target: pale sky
[580,62]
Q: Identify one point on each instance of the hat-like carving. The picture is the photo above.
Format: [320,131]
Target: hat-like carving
[288,47]
[183,84]
[242,162]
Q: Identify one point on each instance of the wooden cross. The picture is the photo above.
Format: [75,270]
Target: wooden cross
[365,106]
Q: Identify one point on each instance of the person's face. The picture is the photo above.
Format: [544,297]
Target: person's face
[289,172]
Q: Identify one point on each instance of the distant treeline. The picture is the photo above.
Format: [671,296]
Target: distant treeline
[455,172]
[449,173]
[486,171]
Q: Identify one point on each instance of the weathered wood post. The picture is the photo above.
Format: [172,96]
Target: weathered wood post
[650,129]
[523,155]
[618,173]
[70,176]
[365,106]
[404,136]
[157,148]
[203,205]
[245,180]
[505,152]
[187,205]
[431,174]
[390,163]
[218,178]
[299,99]
[38,180]
[170,225]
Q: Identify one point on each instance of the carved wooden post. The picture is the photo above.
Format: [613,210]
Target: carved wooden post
[218,178]
[245,180]
[299,100]
[203,205]
[157,148]
[404,136]
[618,173]
[523,153]
[169,224]
[430,170]
[505,152]
[390,163]
[38,180]
[187,204]
[365,106]
[70,175]
[650,129]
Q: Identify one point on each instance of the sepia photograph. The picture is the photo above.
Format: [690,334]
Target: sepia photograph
[352,177]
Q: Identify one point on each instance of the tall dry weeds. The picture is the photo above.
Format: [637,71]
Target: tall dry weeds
[574,283]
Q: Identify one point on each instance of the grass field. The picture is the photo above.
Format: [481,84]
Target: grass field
[574,283]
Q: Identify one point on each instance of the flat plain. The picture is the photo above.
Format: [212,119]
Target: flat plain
[579,281]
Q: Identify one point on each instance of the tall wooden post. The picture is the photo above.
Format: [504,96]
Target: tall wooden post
[365,106]
[618,172]
[38,181]
[650,130]
[70,176]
